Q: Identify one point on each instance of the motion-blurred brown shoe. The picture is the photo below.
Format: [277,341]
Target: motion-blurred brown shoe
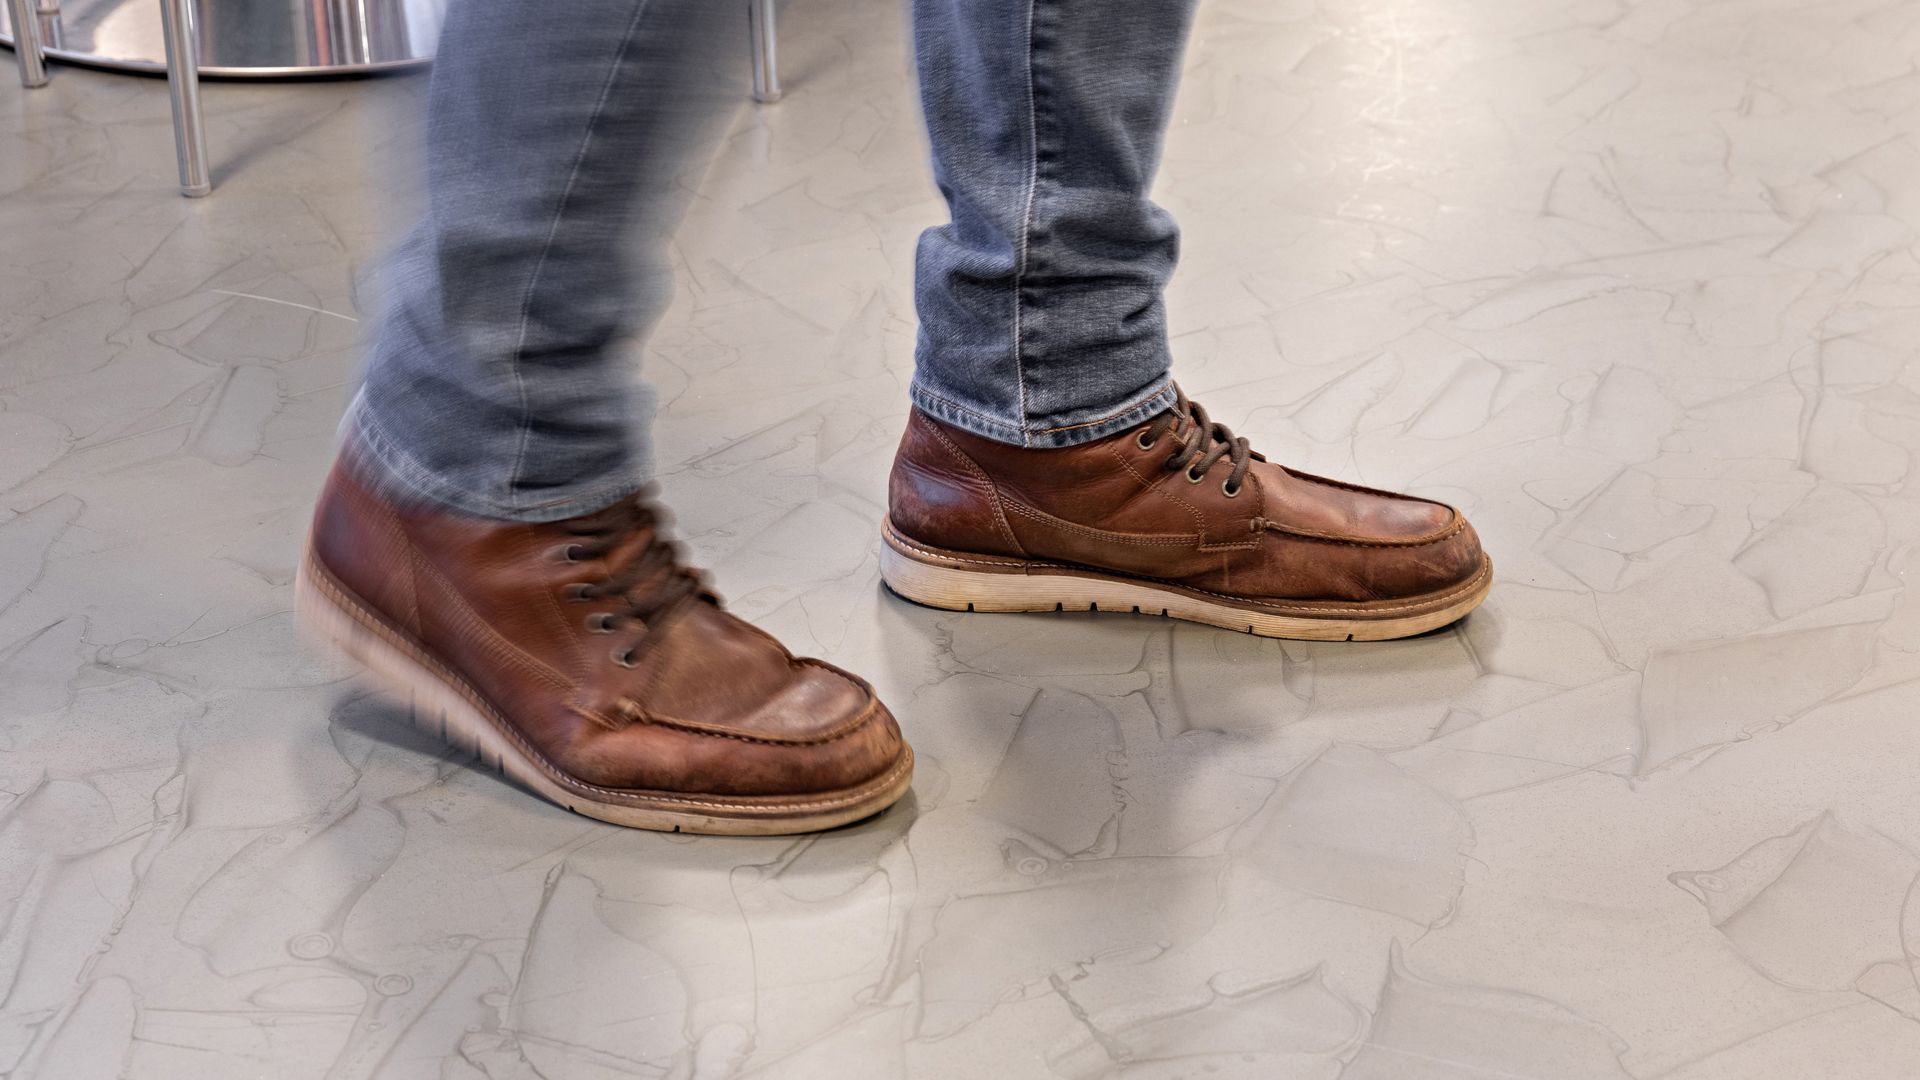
[583,660]
[1176,517]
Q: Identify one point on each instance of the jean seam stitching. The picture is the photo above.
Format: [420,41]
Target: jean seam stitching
[546,247]
[1026,230]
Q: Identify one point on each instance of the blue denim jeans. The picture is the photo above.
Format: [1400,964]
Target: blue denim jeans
[558,155]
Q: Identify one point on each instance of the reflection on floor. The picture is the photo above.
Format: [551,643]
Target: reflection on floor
[1633,282]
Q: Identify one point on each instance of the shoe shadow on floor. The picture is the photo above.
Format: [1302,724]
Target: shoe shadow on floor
[373,731]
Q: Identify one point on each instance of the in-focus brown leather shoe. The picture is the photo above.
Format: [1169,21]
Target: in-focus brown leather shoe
[1176,517]
[581,659]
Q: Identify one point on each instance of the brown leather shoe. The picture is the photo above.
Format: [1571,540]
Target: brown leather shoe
[1177,517]
[581,659]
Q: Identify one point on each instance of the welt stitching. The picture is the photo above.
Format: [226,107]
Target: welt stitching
[1464,586]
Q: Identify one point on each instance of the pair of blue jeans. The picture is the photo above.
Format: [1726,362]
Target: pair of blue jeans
[558,144]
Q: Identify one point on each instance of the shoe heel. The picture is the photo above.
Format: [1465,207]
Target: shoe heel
[939,582]
[931,585]
[435,707]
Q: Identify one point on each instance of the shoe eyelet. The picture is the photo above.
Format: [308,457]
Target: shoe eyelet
[1143,442]
[1194,477]
[600,622]
[576,593]
[623,657]
[1227,488]
[569,553]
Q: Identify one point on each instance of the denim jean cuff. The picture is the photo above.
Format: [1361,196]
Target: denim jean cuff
[376,459]
[1088,425]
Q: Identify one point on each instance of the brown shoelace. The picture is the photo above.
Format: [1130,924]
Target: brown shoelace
[1201,441]
[648,577]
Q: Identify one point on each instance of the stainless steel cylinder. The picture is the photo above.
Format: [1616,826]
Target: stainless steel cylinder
[26,44]
[183,83]
[260,39]
[766,50]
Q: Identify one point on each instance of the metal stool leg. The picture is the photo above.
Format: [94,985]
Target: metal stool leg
[183,83]
[766,54]
[26,42]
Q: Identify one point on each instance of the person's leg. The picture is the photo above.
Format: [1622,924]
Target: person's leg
[481,545]
[1041,319]
[1050,463]
[557,144]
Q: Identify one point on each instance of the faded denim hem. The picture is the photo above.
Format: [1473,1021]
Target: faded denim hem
[376,459]
[1083,426]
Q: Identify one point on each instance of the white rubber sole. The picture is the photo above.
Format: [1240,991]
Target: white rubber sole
[445,706]
[957,582]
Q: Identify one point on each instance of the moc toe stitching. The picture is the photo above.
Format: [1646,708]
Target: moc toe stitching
[1452,529]
[842,730]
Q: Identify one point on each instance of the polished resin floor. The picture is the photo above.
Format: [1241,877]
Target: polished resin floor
[1635,282]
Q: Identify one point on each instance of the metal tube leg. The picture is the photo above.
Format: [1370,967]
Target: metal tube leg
[766,50]
[183,83]
[26,42]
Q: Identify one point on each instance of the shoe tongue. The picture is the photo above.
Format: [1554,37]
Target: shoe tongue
[630,542]
[1210,436]
[707,666]
[629,547]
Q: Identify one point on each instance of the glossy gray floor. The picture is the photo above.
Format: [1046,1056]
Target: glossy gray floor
[1633,282]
